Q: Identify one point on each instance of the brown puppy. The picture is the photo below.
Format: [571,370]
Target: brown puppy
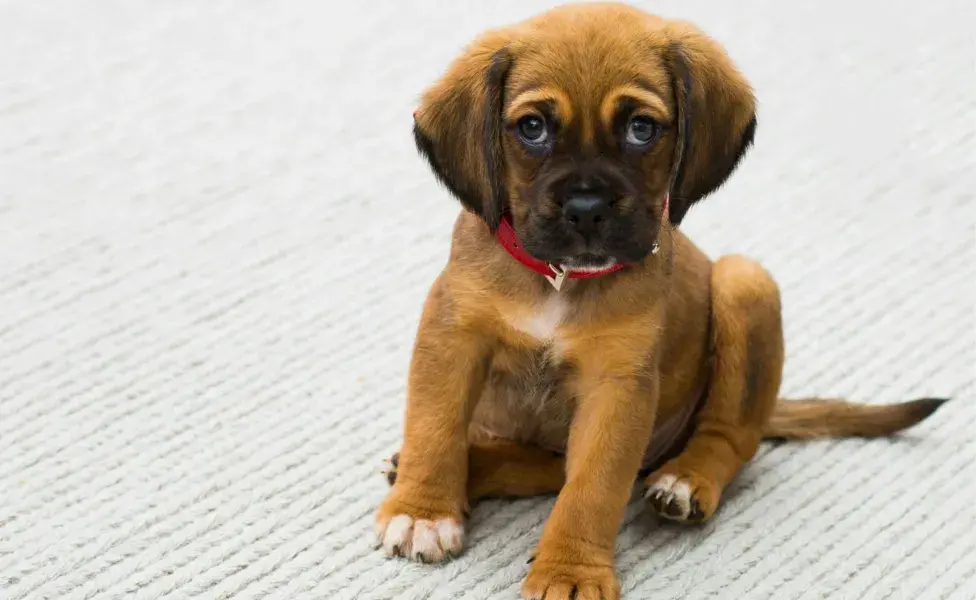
[576,336]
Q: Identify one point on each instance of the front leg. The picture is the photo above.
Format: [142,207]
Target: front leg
[618,392]
[421,517]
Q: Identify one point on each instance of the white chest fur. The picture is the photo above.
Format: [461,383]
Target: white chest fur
[543,321]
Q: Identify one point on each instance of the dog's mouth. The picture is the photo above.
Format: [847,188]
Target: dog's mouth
[583,256]
[549,239]
[588,262]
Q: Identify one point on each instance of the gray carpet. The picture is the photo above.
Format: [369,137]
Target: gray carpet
[216,237]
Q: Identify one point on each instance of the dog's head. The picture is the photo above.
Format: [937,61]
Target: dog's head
[579,122]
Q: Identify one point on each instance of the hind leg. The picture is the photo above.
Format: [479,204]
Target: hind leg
[500,468]
[747,340]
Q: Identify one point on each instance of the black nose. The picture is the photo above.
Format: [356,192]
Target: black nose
[586,212]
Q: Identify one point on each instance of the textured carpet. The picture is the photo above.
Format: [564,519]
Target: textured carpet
[216,237]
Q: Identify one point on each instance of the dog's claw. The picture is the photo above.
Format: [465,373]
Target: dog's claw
[673,508]
[391,473]
[684,499]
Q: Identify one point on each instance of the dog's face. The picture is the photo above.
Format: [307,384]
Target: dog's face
[579,122]
[586,148]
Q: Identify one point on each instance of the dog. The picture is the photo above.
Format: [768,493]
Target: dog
[577,342]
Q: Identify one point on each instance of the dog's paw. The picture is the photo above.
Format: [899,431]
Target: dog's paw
[420,525]
[682,497]
[422,540]
[557,580]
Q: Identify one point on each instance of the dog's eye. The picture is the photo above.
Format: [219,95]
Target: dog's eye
[532,130]
[641,131]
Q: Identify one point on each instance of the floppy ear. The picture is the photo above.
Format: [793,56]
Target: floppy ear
[457,127]
[715,116]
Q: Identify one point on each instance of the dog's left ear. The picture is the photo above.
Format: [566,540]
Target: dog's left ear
[715,116]
[458,126]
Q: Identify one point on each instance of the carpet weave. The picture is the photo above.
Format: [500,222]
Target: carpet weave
[216,238]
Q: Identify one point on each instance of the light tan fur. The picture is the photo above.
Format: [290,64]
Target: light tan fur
[673,363]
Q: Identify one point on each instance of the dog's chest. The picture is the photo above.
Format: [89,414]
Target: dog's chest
[527,397]
[535,370]
[542,322]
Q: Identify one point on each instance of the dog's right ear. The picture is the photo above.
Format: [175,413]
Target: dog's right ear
[458,126]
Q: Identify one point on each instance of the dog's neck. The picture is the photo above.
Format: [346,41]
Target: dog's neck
[556,274]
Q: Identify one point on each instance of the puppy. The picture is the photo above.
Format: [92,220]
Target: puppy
[576,339]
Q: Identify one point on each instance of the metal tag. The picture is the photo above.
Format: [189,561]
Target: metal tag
[558,276]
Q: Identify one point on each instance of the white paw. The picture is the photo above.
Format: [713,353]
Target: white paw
[672,498]
[421,540]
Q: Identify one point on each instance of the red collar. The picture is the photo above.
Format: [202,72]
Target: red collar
[554,273]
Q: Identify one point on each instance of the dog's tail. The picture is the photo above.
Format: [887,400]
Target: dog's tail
[819,418]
